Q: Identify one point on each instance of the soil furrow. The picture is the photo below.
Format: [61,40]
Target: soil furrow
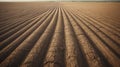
[35,22]
[74,57]
[23,49]
[92,58]
[113,60]
[55,54]
[36,55]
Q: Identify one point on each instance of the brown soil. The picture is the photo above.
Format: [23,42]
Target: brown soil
[60,34]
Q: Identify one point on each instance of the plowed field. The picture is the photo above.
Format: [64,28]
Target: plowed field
[60,34]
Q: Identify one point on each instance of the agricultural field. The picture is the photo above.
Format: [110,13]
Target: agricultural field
[60,34]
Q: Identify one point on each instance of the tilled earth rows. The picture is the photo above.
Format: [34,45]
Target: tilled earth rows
[60,34]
